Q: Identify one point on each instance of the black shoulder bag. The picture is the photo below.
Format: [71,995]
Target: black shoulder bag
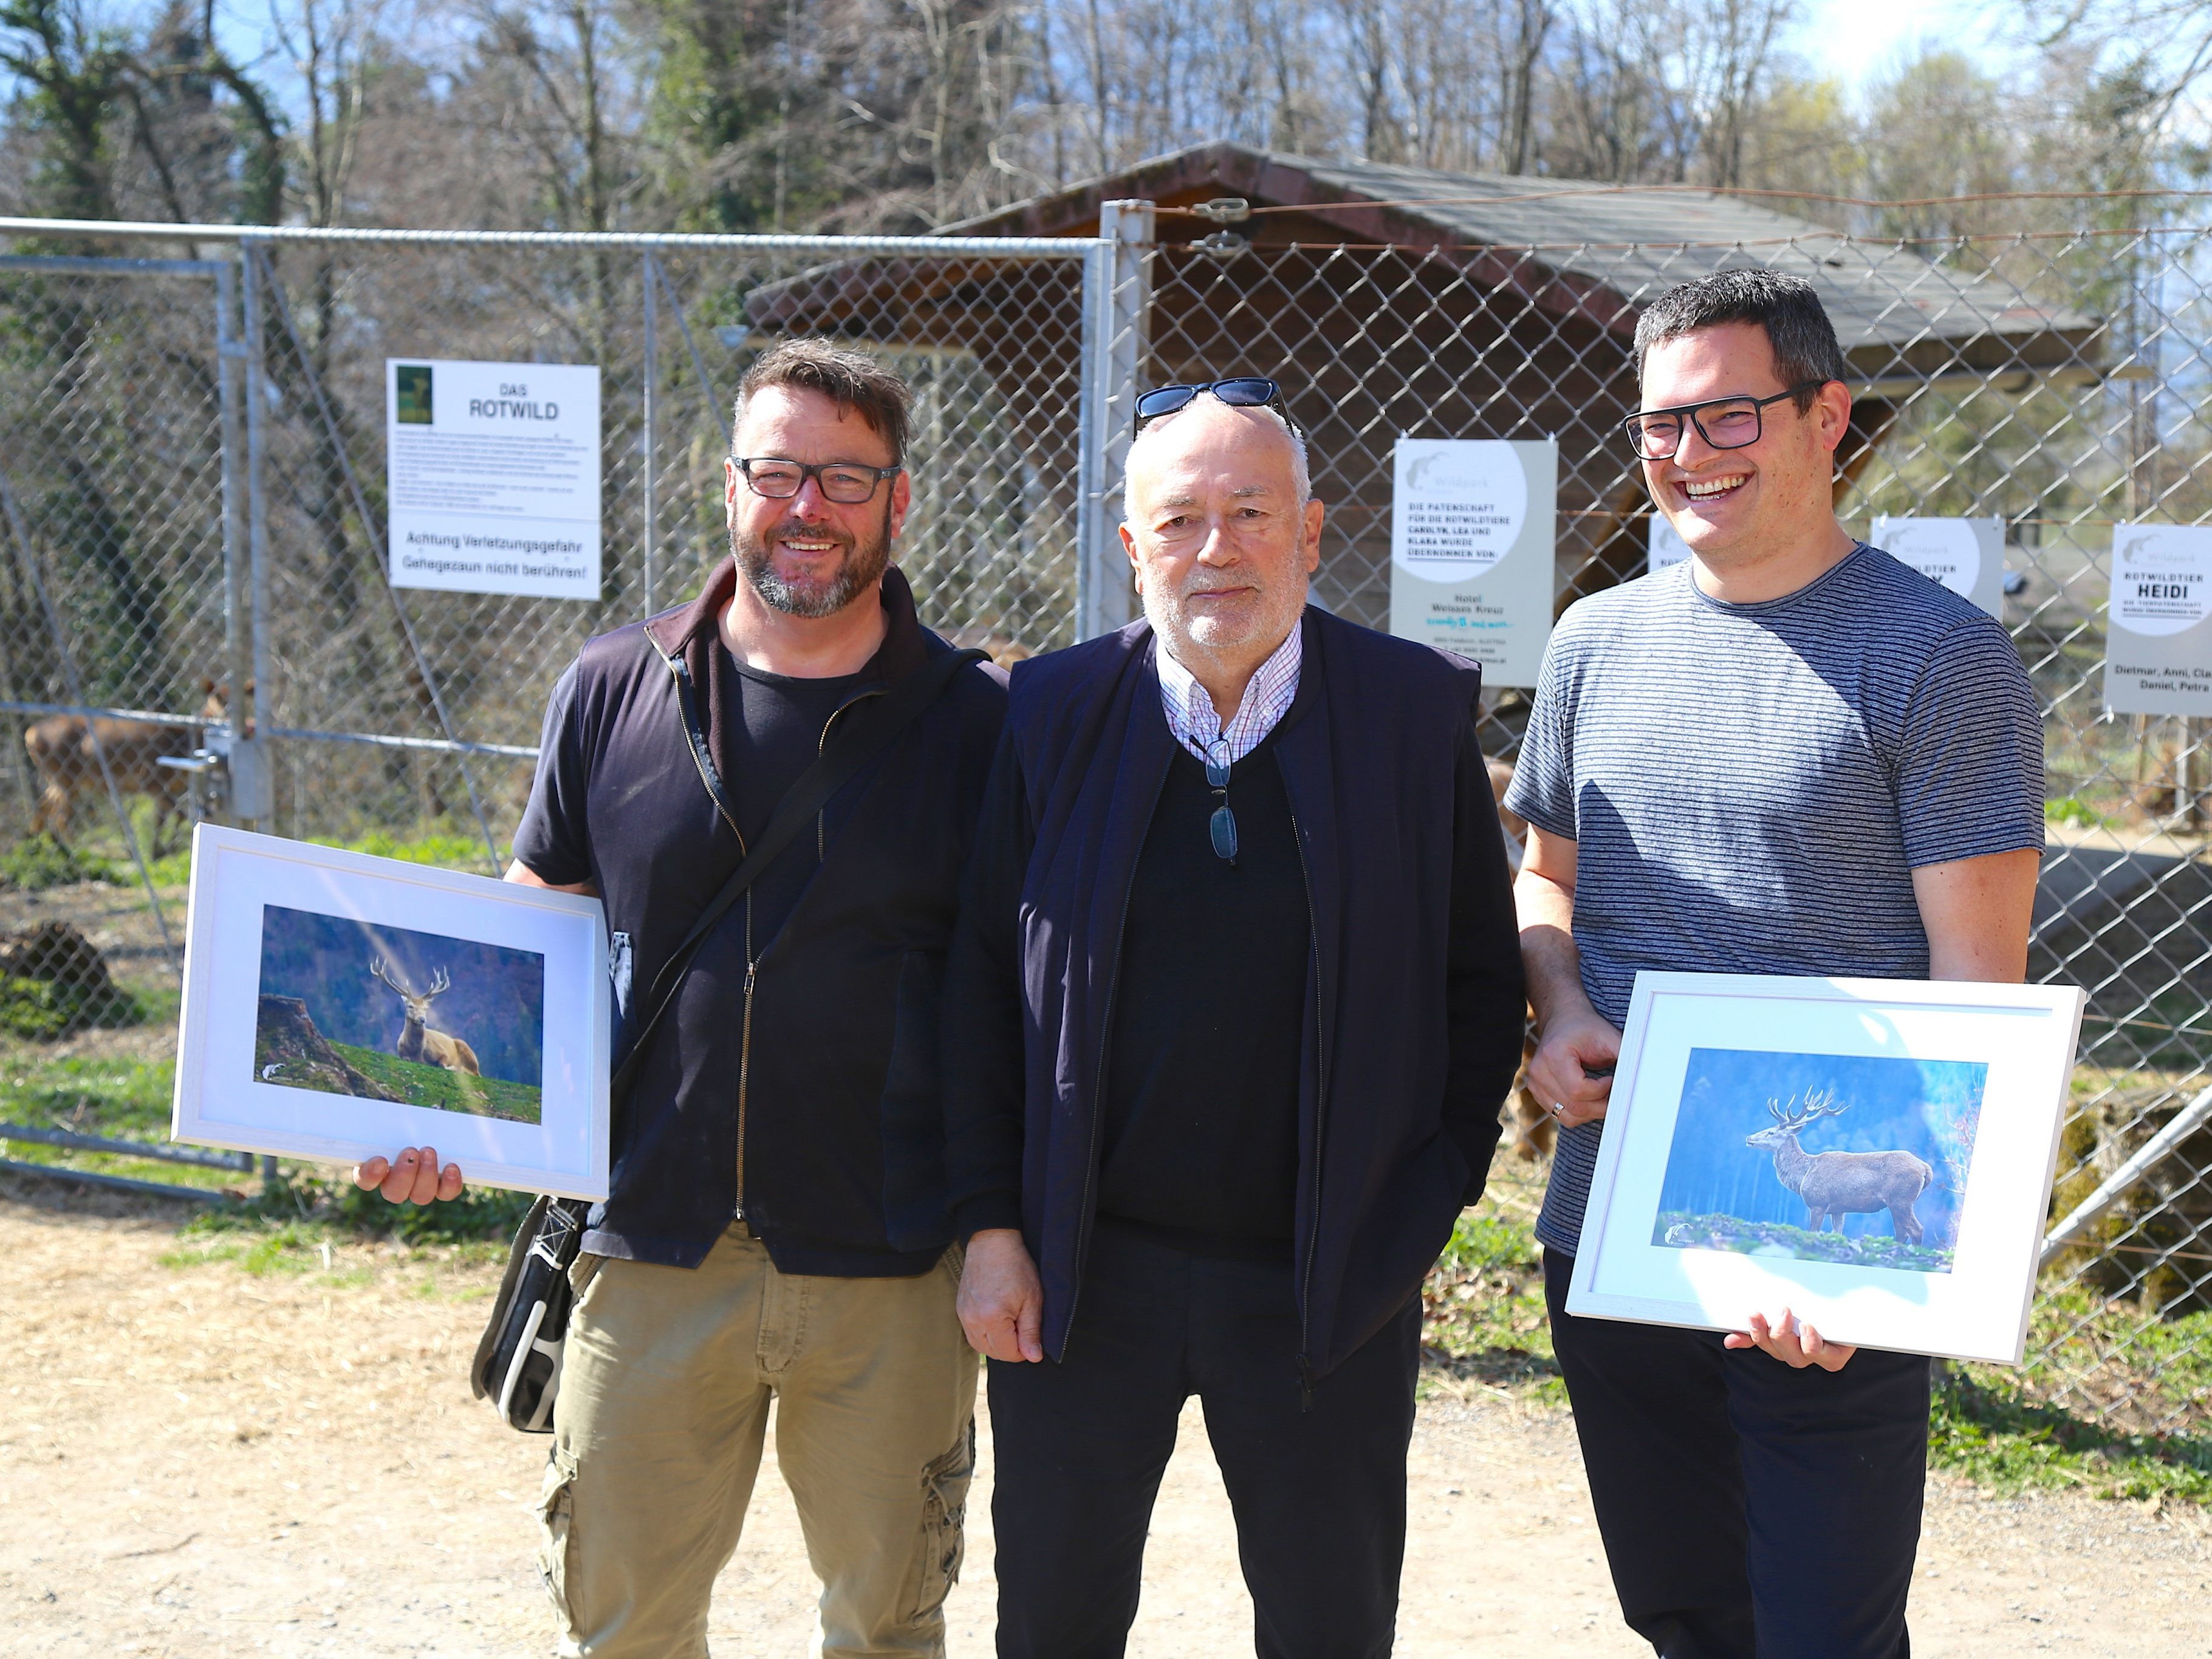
[518,1360]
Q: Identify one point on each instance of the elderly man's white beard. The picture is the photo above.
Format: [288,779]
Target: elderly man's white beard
[1198,639]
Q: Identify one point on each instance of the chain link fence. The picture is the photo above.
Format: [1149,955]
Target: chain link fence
[170,537]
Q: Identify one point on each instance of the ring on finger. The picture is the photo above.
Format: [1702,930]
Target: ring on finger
[1559,1108]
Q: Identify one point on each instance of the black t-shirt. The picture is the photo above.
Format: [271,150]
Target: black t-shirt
[1200,1119]
[766,742]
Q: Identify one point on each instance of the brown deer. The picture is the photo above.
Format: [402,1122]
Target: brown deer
[417,1042]
[1837,1184]
[65,752]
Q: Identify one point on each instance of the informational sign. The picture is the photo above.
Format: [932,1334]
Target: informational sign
[493,476]
[1667,549]
[1966,554]
[2158,633]
[1472,526]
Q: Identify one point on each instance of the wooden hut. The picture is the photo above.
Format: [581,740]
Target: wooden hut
[1395,301]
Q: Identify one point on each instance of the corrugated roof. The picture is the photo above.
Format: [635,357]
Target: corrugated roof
[1888,303]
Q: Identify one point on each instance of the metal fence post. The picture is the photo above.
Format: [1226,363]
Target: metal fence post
[1115,303]
[253,798]
[237,638]
[646,434]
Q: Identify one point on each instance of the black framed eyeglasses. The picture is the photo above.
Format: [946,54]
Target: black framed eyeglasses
[1239,392]
[845,483]
[1722,422]
[1222,826]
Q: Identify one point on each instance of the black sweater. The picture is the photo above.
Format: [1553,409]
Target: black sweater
[1200,1130]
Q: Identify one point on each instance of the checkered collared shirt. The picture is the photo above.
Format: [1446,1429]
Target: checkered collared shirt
[1190,711]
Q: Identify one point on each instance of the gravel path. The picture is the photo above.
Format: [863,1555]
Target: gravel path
[196,1461]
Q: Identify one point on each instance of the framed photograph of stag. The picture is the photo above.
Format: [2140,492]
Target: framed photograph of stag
[338,1007]
[1874,1155]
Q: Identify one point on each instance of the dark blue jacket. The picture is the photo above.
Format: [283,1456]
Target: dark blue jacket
[813,1077]
[1414,1014]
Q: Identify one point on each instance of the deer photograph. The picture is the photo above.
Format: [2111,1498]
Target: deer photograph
[417,1040]
[1829,1157]
[1835,1184]
[467,1034]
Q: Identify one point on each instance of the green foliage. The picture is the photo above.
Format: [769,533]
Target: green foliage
[45,1009]
[2072,809]
[115,1097]
[1983,1424]
[1485,1318]
[38,862]
[421,1084]
[445,850]
[304,1206]
[1727,1232]
[1482,1308]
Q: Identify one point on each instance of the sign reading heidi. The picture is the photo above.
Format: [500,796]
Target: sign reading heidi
[493,476]
[2158,637]
[1470,535]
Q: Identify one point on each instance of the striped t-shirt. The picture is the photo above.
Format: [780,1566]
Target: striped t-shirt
[1750,786]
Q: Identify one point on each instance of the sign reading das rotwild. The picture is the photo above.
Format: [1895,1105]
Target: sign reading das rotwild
[493,471]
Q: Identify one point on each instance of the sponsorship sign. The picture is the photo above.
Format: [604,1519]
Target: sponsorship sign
[2158,635]
[1472,527]
[1667,549]
[1966,554]
[493,476]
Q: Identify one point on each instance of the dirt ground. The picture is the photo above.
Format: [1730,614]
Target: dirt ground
[196,1461]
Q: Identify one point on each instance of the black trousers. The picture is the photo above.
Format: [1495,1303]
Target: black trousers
[1749,1510]
[1319,1494]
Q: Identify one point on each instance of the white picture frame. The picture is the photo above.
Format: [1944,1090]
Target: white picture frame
[1969,1080]
[283,938]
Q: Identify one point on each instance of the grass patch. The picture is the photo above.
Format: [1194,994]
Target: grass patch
[44,1010]
[38,862]
[126,1098]
[445,849]
[2072,809]
[305,1209]
[421,1084]
[1482,1310]
[1484,1318]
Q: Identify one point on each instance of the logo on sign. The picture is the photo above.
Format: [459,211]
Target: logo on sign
[1459,509]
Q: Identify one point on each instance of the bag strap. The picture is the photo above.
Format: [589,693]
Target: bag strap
[871,731]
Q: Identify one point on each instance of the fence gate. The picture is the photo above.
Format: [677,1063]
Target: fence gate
[121,630]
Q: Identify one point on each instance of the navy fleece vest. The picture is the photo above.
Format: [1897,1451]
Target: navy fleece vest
[1368,757]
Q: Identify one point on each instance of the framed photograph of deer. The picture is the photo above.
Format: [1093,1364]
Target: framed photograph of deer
[338,1007]
[1874,1155]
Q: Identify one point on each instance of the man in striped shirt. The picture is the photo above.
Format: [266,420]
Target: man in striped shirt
[1789,755]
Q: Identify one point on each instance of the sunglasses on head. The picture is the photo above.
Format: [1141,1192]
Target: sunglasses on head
[1239,392]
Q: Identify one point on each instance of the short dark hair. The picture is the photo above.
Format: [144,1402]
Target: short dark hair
[856,381]
[1788,308]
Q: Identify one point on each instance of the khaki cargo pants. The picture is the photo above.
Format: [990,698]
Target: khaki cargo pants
[659,1423]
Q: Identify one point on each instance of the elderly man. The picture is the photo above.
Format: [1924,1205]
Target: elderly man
[1233,1001]
[1789,755]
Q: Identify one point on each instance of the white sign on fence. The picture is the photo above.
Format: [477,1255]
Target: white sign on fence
[1966,554]
[492,471]
[1472,525]
[1667,547]
[2158,633]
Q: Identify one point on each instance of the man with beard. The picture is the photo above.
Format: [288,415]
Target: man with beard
[1234,1001]
[777,1226]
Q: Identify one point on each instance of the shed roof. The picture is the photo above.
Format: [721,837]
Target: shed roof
[1893,309]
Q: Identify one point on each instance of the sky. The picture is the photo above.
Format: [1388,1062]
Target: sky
[1859,40]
